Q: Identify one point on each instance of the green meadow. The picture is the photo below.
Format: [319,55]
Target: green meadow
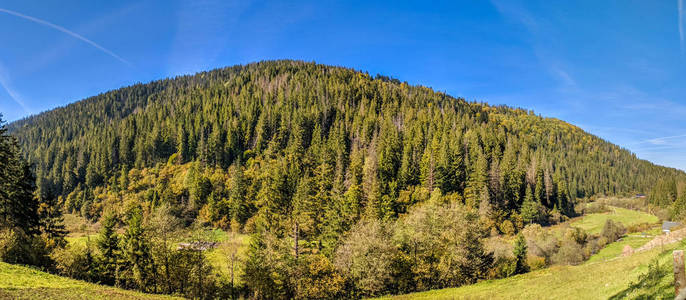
[605,275]
[19,282]
[615,279]
[593,223]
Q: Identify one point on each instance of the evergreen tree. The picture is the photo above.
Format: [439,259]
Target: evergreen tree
[51,222]
[519,252]
[18,206]
[137,252]
[237,194]
[530,208]
[108,244]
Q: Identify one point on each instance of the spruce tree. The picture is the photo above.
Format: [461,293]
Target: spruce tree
[519,252]
[530,208]
[108,244]
[137,251]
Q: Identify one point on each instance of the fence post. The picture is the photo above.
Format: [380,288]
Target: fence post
[679,275]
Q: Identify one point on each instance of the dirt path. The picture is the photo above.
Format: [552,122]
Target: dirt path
[665,239]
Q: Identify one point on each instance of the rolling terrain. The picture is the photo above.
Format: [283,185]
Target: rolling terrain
[334,182]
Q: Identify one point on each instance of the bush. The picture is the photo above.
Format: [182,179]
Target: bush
[365,257]
[318,279]
[507,227]
[499,246]
[595,207]
[535,262]
[75,261]
[639,227]
[540,242]
[503,267]
[612,231]
[444,245]
[570,253]
[17,247]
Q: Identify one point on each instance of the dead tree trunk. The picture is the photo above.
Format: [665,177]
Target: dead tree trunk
[679,275]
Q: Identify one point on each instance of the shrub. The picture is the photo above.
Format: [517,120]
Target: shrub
[570,253]
[75,261]
[595,207]
[639,227]
[503,267]
[540,242]
[318,279]
[499,246]
[507,227]
[612,231]
[17,247]
[535,262]
[366,255]
[444,243]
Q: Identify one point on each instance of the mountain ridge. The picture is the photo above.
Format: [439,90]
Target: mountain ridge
[116,107]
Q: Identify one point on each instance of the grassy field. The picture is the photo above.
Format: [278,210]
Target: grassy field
[593,223]
[613,250]
[18,282]
[605,275]
[219,257]
[616,279]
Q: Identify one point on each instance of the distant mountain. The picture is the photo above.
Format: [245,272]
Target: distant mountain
[281,123]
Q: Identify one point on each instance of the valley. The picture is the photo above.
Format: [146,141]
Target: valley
[289,179]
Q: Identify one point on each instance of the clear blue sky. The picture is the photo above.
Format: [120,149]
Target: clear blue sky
[616,69]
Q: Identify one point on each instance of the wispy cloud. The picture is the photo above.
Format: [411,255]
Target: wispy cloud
[665,140]
[5,83]
[67,31]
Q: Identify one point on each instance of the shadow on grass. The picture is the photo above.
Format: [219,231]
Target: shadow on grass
[650,285]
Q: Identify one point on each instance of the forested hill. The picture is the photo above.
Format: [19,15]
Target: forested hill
[347,141]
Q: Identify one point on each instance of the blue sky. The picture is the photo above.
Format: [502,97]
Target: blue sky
[614,68]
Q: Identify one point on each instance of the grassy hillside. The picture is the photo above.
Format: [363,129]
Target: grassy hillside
[17,282]
[618,278]
[612,275]
[593,223]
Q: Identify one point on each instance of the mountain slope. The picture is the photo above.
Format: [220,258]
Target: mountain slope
[217,116]
[313,160]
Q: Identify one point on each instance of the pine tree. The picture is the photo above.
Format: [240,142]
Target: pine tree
[477,180]
[519,253]
[108,244]
[18,204]
[237,193]
[137,251]
[51,222]
[370,184]
[530,208]
[429,172]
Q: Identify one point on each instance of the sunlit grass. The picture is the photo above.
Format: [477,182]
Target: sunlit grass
[18,282]
[220,257]
[600,280]
[593,223]
[604,276]
[615,249]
